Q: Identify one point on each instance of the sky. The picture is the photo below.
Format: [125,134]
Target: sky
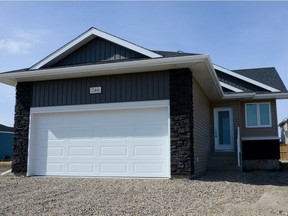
[236,35]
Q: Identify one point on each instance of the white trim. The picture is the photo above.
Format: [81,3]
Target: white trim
[239,158]
[254,82]
[274,95]
[95,107]
[242,95]
[231,146]
[258,115]
[260,138]
[85,37]
[232,88]
[9,132]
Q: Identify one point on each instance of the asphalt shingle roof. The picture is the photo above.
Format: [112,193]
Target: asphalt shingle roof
[268,76]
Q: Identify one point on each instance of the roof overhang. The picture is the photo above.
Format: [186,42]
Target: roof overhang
[246,79]
[254,96]
[200,65]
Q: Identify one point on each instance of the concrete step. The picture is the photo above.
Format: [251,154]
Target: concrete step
[223,161]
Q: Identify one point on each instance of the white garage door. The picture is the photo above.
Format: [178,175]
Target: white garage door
[124,142]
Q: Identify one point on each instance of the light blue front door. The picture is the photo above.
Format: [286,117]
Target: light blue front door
[223,129]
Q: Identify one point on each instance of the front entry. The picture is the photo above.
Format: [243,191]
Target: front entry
[223,129]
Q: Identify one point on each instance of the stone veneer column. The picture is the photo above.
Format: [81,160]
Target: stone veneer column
[21,127]
[181,121]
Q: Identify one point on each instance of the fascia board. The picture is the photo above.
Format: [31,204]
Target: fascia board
[239,96]
[273,95]
[97,33]
[232,88]
[103,69]
[254,82]
[125,43]
[256,96]
[213,75]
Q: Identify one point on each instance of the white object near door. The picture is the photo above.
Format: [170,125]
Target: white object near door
[223,129]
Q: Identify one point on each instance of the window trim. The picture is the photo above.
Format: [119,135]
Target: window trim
[258,115]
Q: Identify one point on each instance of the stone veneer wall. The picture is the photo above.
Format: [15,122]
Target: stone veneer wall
[181,121]
[21,127]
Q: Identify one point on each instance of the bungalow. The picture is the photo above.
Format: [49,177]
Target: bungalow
[103,106]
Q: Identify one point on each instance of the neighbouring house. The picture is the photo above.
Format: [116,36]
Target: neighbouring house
[6,142]
[103,106]
[284,131]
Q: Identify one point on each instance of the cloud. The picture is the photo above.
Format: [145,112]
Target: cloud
[15,46]
[22,41]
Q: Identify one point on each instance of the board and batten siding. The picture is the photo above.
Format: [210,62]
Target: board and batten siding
[260,131]
[115,88]
[201,131]
[97,50]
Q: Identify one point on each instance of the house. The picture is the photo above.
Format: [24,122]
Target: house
[284,131]
[103,106]
[6,142]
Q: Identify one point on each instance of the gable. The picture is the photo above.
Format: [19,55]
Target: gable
[76,45]
[268,76]
[97,50]
[238,82]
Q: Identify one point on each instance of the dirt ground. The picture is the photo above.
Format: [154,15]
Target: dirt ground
[262,193]
[4,166]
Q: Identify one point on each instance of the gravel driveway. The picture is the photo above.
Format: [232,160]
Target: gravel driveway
[215,193]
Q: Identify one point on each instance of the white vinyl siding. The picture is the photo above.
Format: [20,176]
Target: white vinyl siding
[258,115]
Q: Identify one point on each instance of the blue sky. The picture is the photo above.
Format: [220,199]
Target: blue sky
[236,35]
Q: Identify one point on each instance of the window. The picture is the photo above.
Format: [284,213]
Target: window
[258,115]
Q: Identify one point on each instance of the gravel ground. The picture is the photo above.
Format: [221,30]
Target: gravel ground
[215,193]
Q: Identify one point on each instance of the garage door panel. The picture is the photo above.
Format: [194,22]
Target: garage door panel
[148,168]
[147,150]
[126,142]
[55,167]
[113,151]
[80,167]
[80,151]
[113,169]
[55,152]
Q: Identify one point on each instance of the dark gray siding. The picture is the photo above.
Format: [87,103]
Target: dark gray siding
[97,50]
[115,88]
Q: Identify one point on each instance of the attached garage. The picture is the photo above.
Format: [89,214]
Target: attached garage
[131,140]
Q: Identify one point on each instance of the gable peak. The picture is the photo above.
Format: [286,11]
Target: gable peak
[84,38]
